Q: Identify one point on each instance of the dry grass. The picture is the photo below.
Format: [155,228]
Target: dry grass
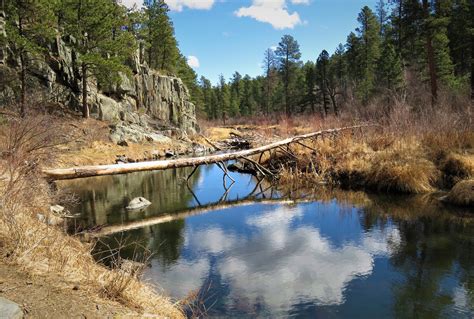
[42,249]
[414,160]
[462,193]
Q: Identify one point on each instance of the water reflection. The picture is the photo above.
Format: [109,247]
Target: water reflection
[348,254]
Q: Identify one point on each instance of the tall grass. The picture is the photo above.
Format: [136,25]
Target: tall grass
[415,147]
[39,248]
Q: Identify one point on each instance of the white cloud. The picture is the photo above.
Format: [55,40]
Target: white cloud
[178,5]
[274,12]
[300,1]
[193,61]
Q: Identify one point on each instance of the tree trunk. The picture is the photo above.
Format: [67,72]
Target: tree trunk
[472,62]
[430,56]
[85,107]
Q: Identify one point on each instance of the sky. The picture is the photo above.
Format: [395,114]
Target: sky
[224,36]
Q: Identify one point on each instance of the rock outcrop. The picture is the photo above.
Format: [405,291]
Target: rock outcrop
[145,99]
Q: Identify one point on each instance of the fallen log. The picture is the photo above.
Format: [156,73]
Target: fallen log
[124,168]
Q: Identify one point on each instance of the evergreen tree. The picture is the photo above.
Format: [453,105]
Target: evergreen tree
[439,27]
[223,99]
[382,15]
[339,68]
[235,94]
[310,85]
[368,53]
[390,70]
[270,65]
[322,79]
[460,32]
[29,27]
[206,91]
[248,102]
[100,41]
[352,55]
[288,53]
[160,41]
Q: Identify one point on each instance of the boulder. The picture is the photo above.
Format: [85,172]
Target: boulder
[109,109]
[134,133]
[9,309]
[138,203]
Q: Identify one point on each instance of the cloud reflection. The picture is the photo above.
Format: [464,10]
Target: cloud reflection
[279,264]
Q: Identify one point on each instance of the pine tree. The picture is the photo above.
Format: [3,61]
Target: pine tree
[390,69]
[29,27]
[102,44]
[160,41]
[235,94]
[270,64]
[368,53]
[206,92]
[223,98]
[310,85]
[339,68]
[288,53]
[382,15]
[460,31]
[322,66]
[439,27]
[352,55]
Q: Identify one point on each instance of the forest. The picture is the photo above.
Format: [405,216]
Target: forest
[105,42]
[399,50]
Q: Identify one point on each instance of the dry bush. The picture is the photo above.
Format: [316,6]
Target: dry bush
[402,171]
[41,248]
[462,193]
[456,167]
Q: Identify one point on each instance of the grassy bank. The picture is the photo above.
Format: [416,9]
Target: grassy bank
[41,249]
[404,152]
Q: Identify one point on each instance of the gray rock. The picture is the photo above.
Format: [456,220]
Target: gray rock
[3,35]
[138,203]
[9,309]
[58,78]
[135,133]
[109,109]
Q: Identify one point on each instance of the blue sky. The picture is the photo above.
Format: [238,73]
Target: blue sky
[223,36]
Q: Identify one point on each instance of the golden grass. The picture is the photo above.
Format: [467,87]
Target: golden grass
[42,249]
[403,169]
[462,193]
[383,162]
[457,167]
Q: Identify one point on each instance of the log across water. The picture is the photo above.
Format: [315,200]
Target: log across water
[100,170]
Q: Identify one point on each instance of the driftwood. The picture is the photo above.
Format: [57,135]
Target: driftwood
[124,168]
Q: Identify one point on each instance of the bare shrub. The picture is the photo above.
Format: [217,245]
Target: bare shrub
[26,145]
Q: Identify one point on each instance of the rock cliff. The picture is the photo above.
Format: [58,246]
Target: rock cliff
[139,105]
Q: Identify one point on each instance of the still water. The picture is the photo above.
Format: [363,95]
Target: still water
[342,255]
